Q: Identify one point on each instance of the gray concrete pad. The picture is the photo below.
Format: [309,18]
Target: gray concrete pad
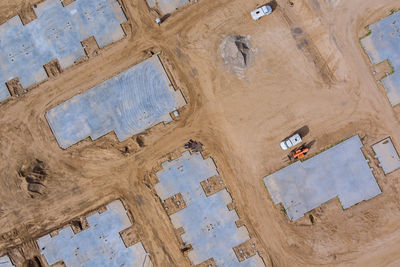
[127,103]
[99,245]
[56,33]
[341,171]
[208,224]
[5,261]
[167,6]
[387,155]
[4,93]
[383,43]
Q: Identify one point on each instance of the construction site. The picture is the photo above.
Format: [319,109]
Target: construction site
[199,133]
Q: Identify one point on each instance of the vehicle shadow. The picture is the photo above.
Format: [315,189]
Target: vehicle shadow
[303,131]
[273,4]
[309,144]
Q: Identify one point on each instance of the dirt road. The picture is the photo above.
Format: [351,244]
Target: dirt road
[309,69]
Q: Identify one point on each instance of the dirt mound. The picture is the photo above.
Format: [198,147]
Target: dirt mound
[237,53]
[35,175]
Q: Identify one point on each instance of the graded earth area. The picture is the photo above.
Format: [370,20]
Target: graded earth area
[309,69]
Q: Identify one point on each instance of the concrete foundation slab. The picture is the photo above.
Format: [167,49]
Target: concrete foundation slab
[99,245]
[4,93]
[5,261]
[56,33]
[208,224]
[387,155]
[167,6]
[128,104]
[383,43]
[340,171]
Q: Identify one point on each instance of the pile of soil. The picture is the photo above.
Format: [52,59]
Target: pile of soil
[35,174]
[237,53]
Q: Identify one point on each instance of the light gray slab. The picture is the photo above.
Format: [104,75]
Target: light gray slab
[99,245]
[127,103]
[208,224]
[4,93]
[5,261]
[167,6]
[383,43]
[341,171]
[387,155]
[55,34]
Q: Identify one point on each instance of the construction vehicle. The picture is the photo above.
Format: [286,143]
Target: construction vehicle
[298,153]
[261,12]
[291,141]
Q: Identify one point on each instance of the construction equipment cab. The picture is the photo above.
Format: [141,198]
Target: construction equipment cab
[291,141]
[261,12]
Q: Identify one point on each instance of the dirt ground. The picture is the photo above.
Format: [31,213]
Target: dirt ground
[309,70]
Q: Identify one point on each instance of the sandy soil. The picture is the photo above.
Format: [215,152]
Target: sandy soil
[309,70]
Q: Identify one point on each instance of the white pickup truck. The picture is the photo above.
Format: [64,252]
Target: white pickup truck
[291,141]
[261,12]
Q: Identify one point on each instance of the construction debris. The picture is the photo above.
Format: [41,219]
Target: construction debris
[194,146]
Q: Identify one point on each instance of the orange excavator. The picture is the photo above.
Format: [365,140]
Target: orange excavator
[298,153]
